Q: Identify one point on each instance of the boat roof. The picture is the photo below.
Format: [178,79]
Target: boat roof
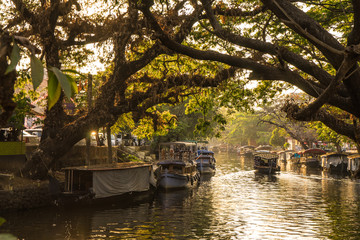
[354,156]
[287,151]
[314,151]
[266,155]
[106,167]
[331,154]
[263,147]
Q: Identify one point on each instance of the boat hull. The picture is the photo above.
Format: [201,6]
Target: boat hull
[174,181]
[205,169]
[266,169]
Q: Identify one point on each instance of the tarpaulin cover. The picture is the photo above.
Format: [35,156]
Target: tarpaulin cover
[116,182]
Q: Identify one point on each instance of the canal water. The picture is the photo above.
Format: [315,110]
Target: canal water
[236,203]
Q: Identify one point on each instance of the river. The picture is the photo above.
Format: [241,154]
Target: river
[236,203]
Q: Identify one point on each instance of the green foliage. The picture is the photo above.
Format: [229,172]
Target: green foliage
[277,138]
[244,129]
[22,109]
[63,80]
[327,135]
[54,89]
[37,71]
[14,58]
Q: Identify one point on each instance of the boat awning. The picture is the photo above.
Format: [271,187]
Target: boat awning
[266,155]
[115,182]
[316,151]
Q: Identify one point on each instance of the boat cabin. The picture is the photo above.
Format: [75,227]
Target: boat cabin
[101,181]
[311,157]
[177,151]
[334,162]
[266,162]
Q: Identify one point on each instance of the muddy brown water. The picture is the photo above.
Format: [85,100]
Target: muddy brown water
[235,203]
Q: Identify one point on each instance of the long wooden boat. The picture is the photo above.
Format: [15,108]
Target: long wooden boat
[205,162]
[334,162]
[266,163]
[106,180]
[177,166]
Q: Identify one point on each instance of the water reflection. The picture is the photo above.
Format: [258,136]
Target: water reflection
[235,203]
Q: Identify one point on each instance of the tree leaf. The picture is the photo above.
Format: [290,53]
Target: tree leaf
[37,71]
[14,57]
[64,82]
[74,88]
[74,71]
[54,90]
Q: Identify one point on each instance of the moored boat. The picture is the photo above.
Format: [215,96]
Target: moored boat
[106,180]
[177,166]
[311,157]
[205,162]
[266,163]
[334,162]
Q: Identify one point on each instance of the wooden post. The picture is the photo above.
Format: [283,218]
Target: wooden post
[108,134]
[88,135]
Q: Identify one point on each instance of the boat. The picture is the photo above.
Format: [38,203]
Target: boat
[294,159]
[265,162]
[205,162]
[354,165]
[106,180]
[311,157]
[177,165]
[334,162]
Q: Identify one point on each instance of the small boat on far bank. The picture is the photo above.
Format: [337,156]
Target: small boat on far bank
[265,162]
[311,157]
[205,162]
[177,166]
[334,162]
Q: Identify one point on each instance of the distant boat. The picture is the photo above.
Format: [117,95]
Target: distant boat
[334,162]
[205,161]
[177,166]
[266,163]
[311,157]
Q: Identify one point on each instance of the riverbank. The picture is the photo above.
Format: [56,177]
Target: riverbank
[17,193]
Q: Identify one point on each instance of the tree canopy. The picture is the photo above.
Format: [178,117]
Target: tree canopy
[161,52]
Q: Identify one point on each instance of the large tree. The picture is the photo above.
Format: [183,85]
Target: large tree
[59,28]
[160,50]
[313,45]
